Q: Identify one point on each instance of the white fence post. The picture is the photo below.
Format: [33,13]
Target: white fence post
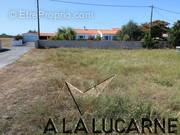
[178,48]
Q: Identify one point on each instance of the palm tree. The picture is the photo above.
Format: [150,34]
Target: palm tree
[65,34]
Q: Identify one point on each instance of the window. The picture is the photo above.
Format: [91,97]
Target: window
[106,37]
[81,37]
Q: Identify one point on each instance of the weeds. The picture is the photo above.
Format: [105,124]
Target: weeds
[146,85]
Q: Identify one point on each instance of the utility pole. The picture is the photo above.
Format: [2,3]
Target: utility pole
[38,19]
[151,20]
[150,27]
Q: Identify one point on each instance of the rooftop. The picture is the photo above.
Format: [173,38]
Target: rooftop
[112,31]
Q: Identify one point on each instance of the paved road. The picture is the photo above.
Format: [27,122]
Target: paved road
[14,54]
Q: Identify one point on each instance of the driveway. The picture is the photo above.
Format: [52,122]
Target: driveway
[14,54]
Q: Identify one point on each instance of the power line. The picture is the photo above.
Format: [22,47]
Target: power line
[115,6]
[166,10]
[163,16]
[100,5]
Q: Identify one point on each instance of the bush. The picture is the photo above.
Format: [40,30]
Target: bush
[53,38]
[98,37]
[126,37]
[148,42]
[18,37]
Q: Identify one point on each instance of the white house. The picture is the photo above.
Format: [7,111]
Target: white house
[93,33]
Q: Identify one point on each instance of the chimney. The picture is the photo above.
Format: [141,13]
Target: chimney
[84,27]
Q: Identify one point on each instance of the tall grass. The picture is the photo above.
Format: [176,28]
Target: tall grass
[147,83]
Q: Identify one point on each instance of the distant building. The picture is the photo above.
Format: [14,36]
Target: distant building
[30,37]
[81,34]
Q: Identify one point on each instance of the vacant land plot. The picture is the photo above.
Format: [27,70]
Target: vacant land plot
[32,90]
[6,42]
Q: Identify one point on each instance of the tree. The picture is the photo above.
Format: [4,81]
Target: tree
[18,37]
[4,35]
[64,34]
[174,34]
[158,28]
[148,41]
[130,32]
[32,31]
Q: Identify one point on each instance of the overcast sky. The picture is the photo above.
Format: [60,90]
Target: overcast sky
[18,16]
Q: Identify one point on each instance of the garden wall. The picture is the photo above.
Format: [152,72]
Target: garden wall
[163,44]
[17,42]
[90,44]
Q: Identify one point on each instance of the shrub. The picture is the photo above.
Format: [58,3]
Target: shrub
[98,37]
[18,37]
[126,37]
[148,41]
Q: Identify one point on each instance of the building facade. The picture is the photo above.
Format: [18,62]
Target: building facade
[89,34]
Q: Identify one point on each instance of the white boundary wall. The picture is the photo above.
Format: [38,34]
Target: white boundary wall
[17,43]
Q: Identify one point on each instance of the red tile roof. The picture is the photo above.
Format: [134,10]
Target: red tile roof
[96,31]
[88,32]
[111,32]
[48,34]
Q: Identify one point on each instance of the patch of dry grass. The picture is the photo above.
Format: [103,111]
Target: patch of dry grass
[147,85]
[6,42]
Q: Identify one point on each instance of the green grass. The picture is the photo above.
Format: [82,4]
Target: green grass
[147,83]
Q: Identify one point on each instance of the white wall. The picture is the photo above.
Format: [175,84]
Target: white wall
[30,37]
[17,43]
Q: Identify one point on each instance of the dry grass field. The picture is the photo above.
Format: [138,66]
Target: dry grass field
[6,42]
[147,84]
